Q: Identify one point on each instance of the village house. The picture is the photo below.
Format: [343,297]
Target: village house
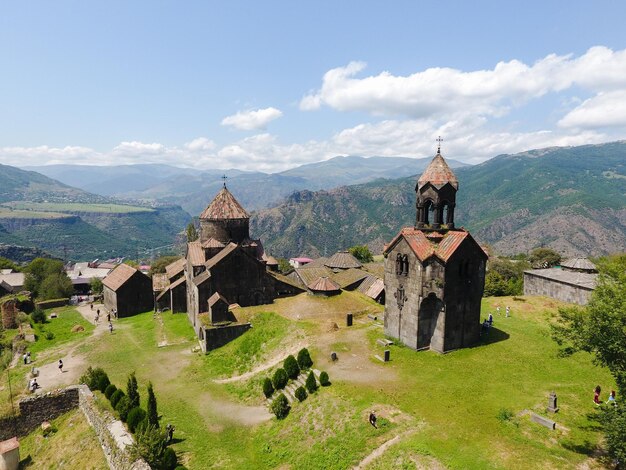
[128,291]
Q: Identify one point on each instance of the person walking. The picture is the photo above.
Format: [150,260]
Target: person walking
[60,365]
[508,311]
[372,419]
[596,395]
[111,327]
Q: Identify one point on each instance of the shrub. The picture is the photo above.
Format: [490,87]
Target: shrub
[149,444]
[504,415]
[169,459]
[38,315]
[49,431]
[291,367]
[280,406]
[123,407]
[280,379]
[135,416]
[311,384]
[110,390]
[304,359]
[180,467]
[268,388]
[103,383]
[49,335]
[96,379]
[301,394]
[324,380]
[117,394]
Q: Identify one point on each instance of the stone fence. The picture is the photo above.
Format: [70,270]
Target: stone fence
[46,407]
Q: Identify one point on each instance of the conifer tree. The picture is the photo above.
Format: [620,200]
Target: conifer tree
[153,416]
[132,391]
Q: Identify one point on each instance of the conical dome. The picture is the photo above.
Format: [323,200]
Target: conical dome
[224,206]
[438,173]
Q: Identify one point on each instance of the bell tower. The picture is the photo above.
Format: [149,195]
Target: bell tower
[436,195]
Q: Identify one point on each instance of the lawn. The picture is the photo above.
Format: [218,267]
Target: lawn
[56,332]
[446,409]
[73,446]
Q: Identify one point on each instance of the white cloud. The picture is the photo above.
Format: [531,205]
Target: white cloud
[450,93]
[200,144]
[252,119]
[603,110]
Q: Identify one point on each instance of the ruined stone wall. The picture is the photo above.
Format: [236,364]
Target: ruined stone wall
[48,406]
[219,336]
[535,285]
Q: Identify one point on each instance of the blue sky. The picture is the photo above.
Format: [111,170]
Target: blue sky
[270,85]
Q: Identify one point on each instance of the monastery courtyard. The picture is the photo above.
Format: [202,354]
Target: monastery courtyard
[464,409]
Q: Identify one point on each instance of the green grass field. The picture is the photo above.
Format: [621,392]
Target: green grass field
[444,408]
[6,213]
[74,207]
[56,332]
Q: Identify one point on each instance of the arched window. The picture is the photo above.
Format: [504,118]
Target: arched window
[405,265]
[428,207]
[399,264]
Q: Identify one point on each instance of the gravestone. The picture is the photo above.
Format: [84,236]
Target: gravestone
[333,356]
[548,423]
[552,408]
[349,319]
[387,355]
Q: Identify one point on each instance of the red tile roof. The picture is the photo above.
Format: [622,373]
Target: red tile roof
[224,206]
[438,173]
[427,244]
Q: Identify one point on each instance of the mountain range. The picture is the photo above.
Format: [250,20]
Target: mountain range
[193,189]
[572,199]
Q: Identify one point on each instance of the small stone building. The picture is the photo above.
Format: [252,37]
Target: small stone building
[573,282]
[434,272]
[128,291]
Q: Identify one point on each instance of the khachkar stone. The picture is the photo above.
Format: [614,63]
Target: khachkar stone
[434,272]
[552,408]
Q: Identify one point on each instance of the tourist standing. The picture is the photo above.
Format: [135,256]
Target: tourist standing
[508,311]
[110,327]
[596,395]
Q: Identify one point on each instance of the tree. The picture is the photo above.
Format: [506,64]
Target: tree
[280,406]
[284,266]
[291,367]
[153,416]
[132,391]
[55,286]
[39,270]
[192,233]
[544,258]
[599,329]
[159,264]
[150,443]
[96,286]
[311,383]
[362,253]
[280,379]
[6,263]
[304,359]
[268,388]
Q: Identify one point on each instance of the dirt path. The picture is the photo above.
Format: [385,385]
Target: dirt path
[277,358]
[380,450]
[74,365]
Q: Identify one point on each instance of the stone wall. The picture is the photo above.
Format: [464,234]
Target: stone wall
[35,410]
[535,285]
[217,337]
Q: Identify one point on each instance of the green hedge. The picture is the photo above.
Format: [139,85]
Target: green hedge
[52,303]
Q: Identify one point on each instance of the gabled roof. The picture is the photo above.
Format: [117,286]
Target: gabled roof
[316,263]
[217,297]
[438,173]
[372,287]
[212,243]
[342,260]
[15,280]
[309,275]
[175,268]
[287,280]
[426,244]
[270,260]
[119,276]
[224,206]
[324,284]
[221,255]
[200,278]
[195,253]
[177,283]
[350,277]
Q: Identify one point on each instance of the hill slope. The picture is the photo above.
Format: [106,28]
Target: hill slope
[571,199]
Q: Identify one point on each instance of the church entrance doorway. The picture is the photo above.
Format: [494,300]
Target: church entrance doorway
[427,318]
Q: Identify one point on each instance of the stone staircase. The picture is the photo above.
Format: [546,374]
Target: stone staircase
[290,389]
